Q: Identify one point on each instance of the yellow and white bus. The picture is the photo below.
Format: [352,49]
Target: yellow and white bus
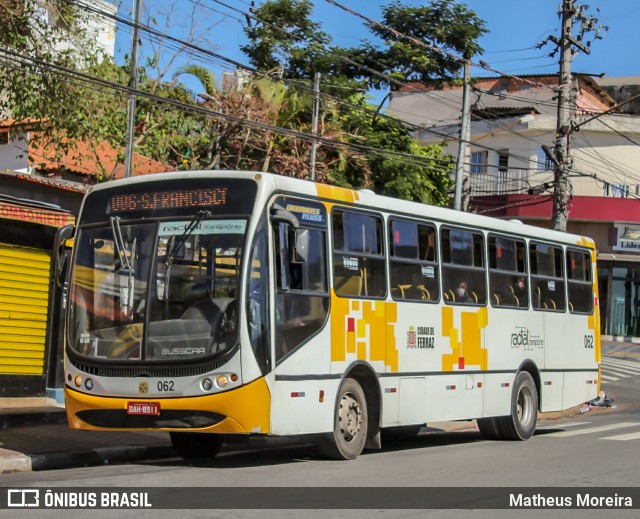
[209,304]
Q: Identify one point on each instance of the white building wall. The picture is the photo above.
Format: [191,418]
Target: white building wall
[13,155]
[606,162]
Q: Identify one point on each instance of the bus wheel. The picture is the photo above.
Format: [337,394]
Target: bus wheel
[196,445]
[489,428]
[349,435]
[521,424]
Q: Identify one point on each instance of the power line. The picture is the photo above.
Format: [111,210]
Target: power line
[433,48]
[390,79]
[358,148]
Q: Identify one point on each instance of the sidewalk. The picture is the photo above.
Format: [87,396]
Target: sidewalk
[37,438]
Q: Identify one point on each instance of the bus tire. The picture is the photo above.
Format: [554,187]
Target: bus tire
[489,428]
[521,424]
[191,446]
[349,435]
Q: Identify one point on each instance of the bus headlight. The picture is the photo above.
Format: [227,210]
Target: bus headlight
[222,381]
[207,384]
[88,384]
[77,380]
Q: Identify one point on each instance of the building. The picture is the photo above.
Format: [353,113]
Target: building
[30,294]
[508,174]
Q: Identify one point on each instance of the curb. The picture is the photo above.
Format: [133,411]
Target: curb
[91,457]
[17,418]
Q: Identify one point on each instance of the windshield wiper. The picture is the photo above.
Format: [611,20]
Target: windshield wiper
[125,262]
[119,243]
[178,243]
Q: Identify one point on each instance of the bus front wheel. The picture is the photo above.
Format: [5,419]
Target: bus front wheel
[349,435]
[192,446]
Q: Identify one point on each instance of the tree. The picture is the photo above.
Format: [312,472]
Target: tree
[284,35]
[443,24]
[54,75]
[39,47]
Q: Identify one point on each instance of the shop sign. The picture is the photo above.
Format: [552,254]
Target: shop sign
[628,237]
[35,215]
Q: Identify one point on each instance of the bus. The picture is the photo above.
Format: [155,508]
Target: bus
[212,304]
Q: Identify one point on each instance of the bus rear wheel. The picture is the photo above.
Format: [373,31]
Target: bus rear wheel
[349,435]
[521,423]
[191,446]
[489,428]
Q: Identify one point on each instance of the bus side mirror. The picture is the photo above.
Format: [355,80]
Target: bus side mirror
[59,256]
[299,252]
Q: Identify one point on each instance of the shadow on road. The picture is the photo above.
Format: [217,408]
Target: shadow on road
[256,452]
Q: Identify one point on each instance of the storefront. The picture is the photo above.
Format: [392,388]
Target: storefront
[619,282]
[30,310]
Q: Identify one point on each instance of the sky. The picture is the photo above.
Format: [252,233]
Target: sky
[515,27]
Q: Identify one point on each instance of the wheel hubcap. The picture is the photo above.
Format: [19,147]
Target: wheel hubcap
[524,405]
[350,417]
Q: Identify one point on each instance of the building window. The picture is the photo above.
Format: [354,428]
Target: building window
[479,162]
[543,163]
[503,161]
[4,138]
[617,190]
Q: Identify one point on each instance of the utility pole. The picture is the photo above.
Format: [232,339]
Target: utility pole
[563,135]
[463,145]
[133,84]
[567,45]
[314,125]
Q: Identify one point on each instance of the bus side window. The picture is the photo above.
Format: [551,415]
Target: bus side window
[547,277]
[358,255]
[579,282]
[414,270]
[508,279]
[463,267]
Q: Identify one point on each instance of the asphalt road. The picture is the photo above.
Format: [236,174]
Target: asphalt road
[587,451]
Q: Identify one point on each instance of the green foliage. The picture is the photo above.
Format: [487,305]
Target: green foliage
[277,39]
[443,24]
[284,40]
[410,171]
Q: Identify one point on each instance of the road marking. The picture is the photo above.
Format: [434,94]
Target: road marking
[624,437]
[609,379]
[590,430]
[628,365]
[628,369]
[616,371]
[562,426]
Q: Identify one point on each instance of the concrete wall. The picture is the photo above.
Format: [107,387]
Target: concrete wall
[13,155]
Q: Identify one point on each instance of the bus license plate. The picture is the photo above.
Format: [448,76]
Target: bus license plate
[145,408]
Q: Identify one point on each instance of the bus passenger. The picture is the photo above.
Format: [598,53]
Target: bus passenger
[461,293]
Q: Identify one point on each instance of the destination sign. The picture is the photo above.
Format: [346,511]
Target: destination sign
[173,199]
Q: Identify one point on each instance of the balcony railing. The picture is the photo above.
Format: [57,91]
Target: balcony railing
[511,181]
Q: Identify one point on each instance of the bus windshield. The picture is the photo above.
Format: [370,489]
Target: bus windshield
[156,290]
